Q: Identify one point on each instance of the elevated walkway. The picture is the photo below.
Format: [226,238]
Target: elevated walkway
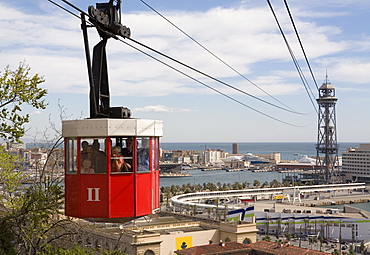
[195,199]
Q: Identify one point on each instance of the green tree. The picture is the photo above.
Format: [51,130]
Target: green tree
[265,184]
[275,183]
[351,251]
[29,213]
[16,89]
[321,239]
[363,248]
[77,250]
[286,184]
[288,236]
[266,238]
[166,191]
[336,252]
[256,183]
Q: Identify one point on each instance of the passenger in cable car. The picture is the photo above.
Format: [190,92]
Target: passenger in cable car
[84,146]
[143,156]
[127,152]
[86,167]
[87,152]
[118,162]
[99,157]
[91,150]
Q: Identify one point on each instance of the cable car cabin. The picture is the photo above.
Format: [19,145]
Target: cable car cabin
[111,168]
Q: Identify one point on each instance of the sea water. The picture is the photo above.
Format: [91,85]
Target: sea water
[288,151]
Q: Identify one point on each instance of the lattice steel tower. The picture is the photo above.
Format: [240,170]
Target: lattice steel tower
[327,147]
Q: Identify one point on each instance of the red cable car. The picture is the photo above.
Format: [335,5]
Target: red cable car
[112,168]
[111,159]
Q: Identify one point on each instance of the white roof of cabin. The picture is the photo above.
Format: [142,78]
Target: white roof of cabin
[111,127]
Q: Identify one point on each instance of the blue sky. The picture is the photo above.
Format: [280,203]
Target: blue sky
[244,34]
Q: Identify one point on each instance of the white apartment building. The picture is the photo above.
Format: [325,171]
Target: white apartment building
[356,163]
[212,156]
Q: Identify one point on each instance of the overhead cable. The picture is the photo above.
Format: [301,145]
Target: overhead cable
[213,78]
[196,70]
[190,77]
[299,70]
[202,83]
[213,54]
[300,43]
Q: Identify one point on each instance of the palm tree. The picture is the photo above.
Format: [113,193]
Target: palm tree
[279,242]
[306,223]
[363,248]
[267,225]
[265,184]
[286,184]
[278,229]
[209,212]
[219,185]
[167,194]
[321,239]
[275,183]
[288,236]
[336,252]
[266,238]
[351,251]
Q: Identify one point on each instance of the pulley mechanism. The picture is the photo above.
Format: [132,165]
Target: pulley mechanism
[106,18]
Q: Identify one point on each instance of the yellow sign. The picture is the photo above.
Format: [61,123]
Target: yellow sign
[184,242]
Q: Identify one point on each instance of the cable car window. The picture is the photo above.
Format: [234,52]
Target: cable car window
[121,157]
[143,159]
[93,156]
[71,153]
[155,152]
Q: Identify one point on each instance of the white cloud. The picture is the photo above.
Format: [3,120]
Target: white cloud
[53,44]
[161,108]
[334,35]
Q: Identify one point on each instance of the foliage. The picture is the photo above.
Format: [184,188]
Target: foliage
[288,236]
[336,252]
[266,238]
[256,183]
[17,88]
[29,213]
[275,183]
[8,177]
[77,250]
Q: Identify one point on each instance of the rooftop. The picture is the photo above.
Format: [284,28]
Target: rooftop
[262,247]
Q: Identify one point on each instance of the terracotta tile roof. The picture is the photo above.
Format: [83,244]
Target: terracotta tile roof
[224,248]
[274,248]
[258,248]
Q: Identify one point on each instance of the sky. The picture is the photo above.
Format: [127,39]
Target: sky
[243,34]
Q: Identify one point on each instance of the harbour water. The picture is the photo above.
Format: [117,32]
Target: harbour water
[288,151]
[200,177]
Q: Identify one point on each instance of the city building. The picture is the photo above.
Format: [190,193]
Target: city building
[274,158]
[235,148]
[235,162]
[212,156]
[162,234]
[356,163]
